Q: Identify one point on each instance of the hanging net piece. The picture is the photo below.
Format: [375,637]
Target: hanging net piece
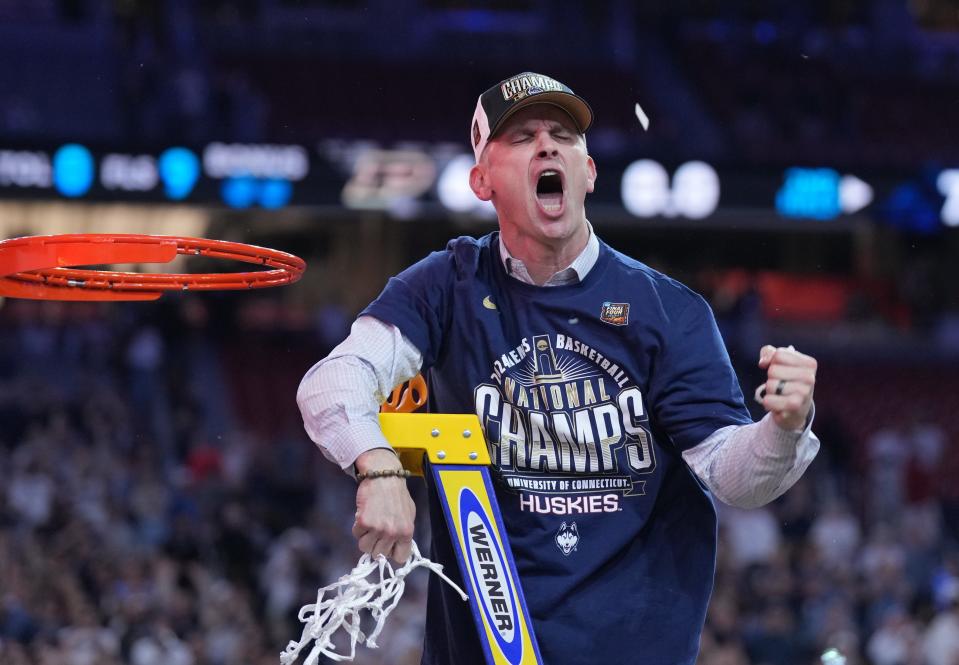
[339,605]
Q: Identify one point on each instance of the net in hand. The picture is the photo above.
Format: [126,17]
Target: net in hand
[348,596]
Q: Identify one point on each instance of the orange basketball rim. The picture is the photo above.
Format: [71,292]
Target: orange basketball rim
[45,267]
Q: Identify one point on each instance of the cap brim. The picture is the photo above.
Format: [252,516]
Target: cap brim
[574,105]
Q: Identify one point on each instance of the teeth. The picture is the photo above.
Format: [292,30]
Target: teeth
[550,172]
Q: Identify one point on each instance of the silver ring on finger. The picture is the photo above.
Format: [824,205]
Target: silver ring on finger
[780,386]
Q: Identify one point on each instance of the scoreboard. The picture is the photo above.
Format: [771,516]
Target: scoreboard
[417,180]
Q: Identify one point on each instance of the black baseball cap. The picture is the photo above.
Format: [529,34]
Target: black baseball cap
[507,97]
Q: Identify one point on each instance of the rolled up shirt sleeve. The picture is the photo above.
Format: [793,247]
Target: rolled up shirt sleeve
[340,396]
[748,466]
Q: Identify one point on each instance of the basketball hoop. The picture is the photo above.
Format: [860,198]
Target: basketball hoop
[44,267]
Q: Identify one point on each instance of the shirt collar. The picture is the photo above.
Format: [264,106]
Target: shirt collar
[575,272]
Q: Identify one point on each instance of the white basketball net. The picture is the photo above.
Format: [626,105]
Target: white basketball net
[351,594]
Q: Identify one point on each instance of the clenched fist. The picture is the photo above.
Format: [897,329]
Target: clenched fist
[787,393]
[384,509]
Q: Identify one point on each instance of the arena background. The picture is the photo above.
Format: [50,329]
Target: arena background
[159,500]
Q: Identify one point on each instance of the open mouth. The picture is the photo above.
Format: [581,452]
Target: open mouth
[549,191]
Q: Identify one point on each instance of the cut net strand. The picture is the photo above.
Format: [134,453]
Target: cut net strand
[349,595]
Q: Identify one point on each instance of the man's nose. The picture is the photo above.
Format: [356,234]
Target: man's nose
[546,146]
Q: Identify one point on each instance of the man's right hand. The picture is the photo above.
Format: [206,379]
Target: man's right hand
[384,508]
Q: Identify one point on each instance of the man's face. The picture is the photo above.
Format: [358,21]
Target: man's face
[537,173]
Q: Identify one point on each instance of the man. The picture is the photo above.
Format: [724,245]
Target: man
[606,395]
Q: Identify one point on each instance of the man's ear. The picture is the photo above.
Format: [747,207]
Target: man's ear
[479,182]
[590,174]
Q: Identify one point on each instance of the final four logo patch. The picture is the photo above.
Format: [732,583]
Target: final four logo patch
[615,313]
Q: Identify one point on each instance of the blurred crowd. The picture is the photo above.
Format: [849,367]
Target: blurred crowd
[146,519]
[141,522]
[868,568]
[868,82]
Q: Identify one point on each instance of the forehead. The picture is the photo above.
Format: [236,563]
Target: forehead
[537,114]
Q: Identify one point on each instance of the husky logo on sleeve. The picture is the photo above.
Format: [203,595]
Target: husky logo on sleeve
[567,538]
[566,425]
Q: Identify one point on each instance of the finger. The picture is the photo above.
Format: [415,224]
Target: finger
[367,543]
[383,546]
[792,357]
[402,551]
[768,388]
[766,355]
[359,530]
[791,373]
[780,387]
[786,416]
[760,393]
[785,404]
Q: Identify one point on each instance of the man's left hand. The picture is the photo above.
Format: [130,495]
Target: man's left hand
[791,377]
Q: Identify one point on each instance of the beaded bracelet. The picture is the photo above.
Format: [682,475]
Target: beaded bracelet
[383,473]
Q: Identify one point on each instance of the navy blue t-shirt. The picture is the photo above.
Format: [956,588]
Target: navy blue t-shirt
[588,394]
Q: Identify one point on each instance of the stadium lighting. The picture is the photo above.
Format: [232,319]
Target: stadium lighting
[854,194]
[131,173]
[646,190]
[73,170]
[453,188]
[812,193]
[695,190]
[948,184]
[179,170]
